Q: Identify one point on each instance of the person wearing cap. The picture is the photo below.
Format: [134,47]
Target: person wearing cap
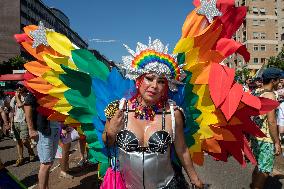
[266,148]
[19,124]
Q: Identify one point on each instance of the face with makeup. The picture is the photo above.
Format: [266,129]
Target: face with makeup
[152,88]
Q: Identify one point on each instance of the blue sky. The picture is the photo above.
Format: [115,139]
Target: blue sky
[124,21]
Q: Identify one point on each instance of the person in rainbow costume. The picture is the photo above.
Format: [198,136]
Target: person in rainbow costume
[208,111]
[148,124]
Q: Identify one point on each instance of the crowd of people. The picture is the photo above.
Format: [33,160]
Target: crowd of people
[21,121]
[269,85]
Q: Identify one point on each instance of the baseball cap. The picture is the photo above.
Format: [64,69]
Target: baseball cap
[272,73]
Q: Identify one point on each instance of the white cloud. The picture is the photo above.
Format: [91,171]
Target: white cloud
[102,40]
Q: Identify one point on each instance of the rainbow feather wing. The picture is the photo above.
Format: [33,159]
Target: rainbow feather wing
[74,87]
[222,109]
[7,180]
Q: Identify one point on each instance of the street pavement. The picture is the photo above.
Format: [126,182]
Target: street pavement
[219,175]
[231,175]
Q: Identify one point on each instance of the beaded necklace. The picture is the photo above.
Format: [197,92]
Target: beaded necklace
[144,112]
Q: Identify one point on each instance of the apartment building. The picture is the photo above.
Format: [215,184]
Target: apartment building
[261,32]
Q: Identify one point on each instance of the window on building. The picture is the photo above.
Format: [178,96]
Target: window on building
[262,60]
[262,35]
[254,10]
[276,48]
[255,60]
[255,22]
[262,11]
[255,47]
[276,35]
[255,35]
[262,47]
[262,22]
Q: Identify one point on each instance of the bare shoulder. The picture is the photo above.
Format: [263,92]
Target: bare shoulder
[179,117]
[269,95]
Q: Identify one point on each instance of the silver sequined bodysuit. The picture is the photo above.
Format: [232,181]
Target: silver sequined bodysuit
[146,167]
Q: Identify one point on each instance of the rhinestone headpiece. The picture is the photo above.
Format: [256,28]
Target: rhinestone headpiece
[152,58]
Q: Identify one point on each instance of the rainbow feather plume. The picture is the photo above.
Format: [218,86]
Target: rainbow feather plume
[74,87]
[223,110]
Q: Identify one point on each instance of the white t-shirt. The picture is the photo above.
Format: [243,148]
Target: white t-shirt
[19,114]
[280,115]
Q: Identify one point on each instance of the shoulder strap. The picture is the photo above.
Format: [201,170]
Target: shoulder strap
[171,103]
[125,113]
[164,118]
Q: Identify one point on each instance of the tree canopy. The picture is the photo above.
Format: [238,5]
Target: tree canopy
[15,63]
[277,61]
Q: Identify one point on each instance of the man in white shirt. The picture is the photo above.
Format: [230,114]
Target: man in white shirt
[20,127]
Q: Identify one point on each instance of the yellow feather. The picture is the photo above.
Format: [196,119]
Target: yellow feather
[62,106]
[59,43]
[184,45]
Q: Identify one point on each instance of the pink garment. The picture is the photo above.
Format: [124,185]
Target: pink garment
[111,179]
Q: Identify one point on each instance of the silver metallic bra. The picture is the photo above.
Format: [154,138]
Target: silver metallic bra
[158,142]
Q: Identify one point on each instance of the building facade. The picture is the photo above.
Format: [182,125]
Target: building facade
[16,14]
[280,19]
[261,32]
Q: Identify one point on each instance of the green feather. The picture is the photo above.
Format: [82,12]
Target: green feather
[83,115]
[76,99]
[76,80]
[88,63]
[102,169]
[95,147]
[97,156]
[181,58]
